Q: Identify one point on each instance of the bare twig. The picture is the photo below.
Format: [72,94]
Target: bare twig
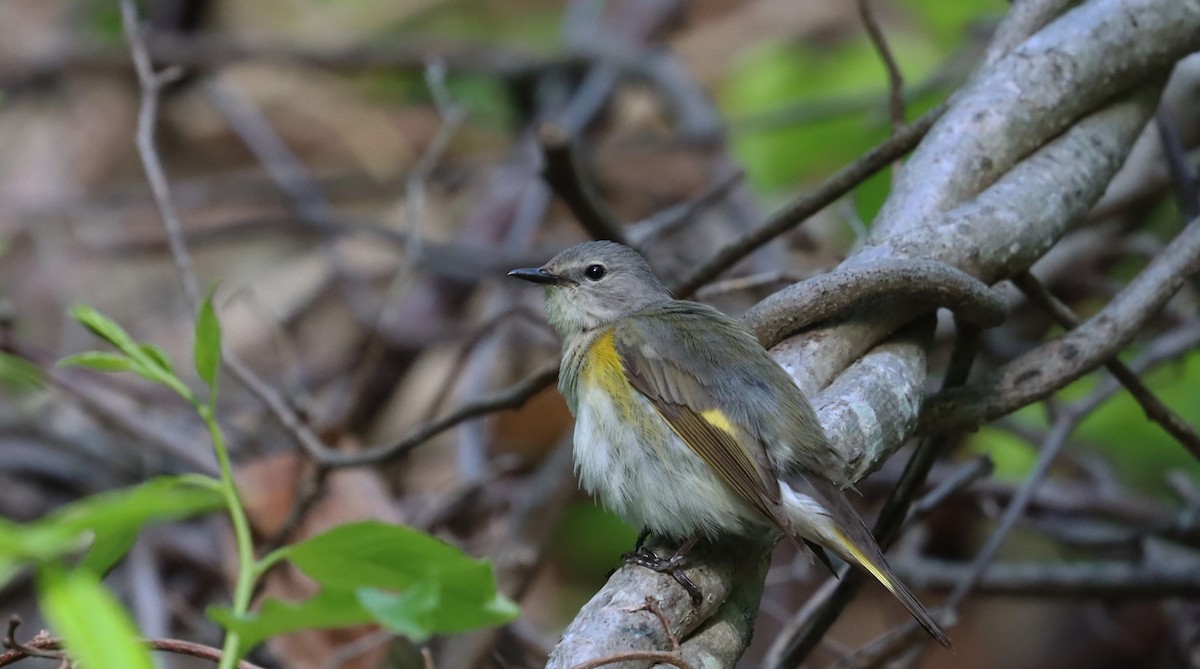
[509,398]
[569,181]
[215,51]
[658,224]
[44,645]
[1110,580]
[895,78]
[151,84]
[1183,174]
[810,203]
[290,175]
[1041,372]
[1155,409]
[276,403]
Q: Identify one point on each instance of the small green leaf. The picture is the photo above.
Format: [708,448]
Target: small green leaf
[373,554]
[18,374]
[157,357]
[208,341]
[145,360]
[94,625]
[394,558]
[36,542]
[107,549]
[399,577]
[110,520]
[105,328]
[162,498]
[411,613]
[329,608]
[99,361]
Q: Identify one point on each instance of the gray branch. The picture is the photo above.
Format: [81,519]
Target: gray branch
[1025,149]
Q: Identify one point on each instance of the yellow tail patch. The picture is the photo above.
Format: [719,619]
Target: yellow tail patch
[863,562]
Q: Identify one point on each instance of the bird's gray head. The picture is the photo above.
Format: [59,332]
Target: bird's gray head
[593,284]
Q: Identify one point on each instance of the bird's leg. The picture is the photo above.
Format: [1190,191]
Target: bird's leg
[642,536]
[672,566]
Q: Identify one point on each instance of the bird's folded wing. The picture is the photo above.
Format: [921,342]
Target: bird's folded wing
[690,407]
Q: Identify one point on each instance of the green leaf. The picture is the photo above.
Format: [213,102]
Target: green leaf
[18,374]
[109,522]
[36,542]
[396,576]
[157,357]
[208,341]
[107,549]
[94,625]
[145,360]
[411,613]
[99,361]
[105,328]
[375,554]
[330,608]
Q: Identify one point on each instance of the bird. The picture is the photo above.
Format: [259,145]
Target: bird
[687,427]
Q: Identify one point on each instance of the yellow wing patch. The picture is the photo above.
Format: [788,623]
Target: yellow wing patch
[718,419]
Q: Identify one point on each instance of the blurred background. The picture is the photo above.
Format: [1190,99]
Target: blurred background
[355,177]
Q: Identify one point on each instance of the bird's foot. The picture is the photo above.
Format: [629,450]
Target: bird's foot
[672,566]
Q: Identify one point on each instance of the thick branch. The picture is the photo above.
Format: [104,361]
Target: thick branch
[1052,366]
[1034,93]
[916,279]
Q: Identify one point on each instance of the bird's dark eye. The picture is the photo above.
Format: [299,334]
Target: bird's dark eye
[595,272]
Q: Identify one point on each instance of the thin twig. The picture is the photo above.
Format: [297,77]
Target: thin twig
[895,78]
[1053,365]
[277,405]
[567,178]
[1183,175]
[290,175]
[1156,410]
[44,645]
[470,342]
[1110,580]
[810,203]
[658,224]
[151,84]
[510,398]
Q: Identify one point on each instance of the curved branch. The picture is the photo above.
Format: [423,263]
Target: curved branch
[1034,93]
[1052,366]
[917,279]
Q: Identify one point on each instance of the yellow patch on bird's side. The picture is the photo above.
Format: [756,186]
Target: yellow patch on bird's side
[602,370]
[718,419]
[602,364]
[863,562]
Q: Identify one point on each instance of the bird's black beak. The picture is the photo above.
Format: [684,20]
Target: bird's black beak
[536,275]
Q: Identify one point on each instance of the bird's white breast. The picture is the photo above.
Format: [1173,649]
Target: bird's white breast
[628,456]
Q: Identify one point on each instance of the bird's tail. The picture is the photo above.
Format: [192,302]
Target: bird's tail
[827,518]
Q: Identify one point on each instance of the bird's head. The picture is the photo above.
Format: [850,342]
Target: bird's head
[593,284]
